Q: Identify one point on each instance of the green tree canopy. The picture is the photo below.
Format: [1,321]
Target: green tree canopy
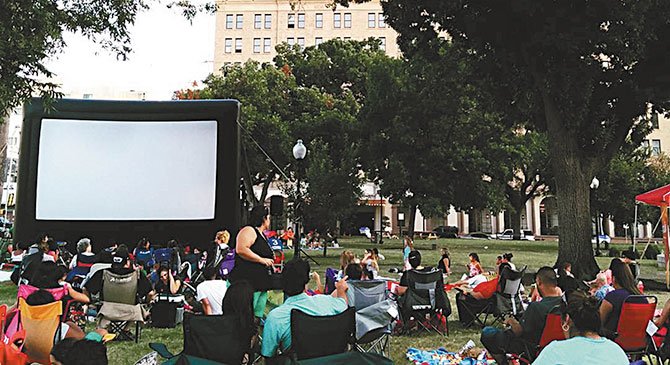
[593,68]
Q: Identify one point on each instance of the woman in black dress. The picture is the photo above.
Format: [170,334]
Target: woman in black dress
[254,258]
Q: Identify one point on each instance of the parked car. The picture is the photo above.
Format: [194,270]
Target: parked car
[446,231]
[476,236]
[603,239]
[5,224]
[508,234]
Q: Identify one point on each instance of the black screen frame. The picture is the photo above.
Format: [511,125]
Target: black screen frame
[103,232]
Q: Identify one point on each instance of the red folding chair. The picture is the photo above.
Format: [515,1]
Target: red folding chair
[631,334]
[552,331]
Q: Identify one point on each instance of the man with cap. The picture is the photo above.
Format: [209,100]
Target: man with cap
[121,265]
[295,277]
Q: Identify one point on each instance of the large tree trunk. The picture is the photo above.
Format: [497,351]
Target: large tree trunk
[573,174]
[411,220]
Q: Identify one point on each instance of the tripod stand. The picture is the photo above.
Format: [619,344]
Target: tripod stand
[298,246]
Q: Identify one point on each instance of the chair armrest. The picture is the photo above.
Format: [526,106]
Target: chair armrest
[161,349]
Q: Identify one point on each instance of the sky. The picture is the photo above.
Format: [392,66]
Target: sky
[169,53]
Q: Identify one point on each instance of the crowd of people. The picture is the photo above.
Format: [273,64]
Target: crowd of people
[589,311]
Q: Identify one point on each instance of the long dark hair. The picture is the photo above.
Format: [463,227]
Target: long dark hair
[239,302]
[583,310]
[623,276]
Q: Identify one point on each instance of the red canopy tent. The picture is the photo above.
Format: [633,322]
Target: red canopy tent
[660,197]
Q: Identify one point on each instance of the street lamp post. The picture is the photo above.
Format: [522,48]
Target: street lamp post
[595,183]
[299,153]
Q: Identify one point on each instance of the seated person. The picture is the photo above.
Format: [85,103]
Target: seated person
[599,287]
[121,266]
[166,284]
[67,329]
[414,260]
[566,281]
[529,330]
[355,272]
[477,298]
[48,275]
[295,277]
[85,258]
[581,322]
[211,291]
[79,352]
[238,302]
[624,286]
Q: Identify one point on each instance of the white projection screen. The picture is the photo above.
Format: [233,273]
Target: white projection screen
[110,170]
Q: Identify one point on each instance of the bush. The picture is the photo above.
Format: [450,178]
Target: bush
[651,252]
[631,254]
[614,252]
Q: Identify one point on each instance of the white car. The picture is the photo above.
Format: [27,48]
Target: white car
[508,234]
[603,239]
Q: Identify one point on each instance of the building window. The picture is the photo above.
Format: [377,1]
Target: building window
[239,21]
[654,121]
[318,22]
[258,22]
[291,21]
[229,21]
[317,41]
[655,147]
[382,44]
[347,20]
[645,143]
[301,42]
[268,21]
[301,21]
[347,39]
[86,96]
[382,21]
[229,45]
[372,22]
[337,20]
[290,41]
[257,45]
[238,45]
[267,45]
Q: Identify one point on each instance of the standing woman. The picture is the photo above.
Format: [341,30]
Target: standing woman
[408,246]
[254,258]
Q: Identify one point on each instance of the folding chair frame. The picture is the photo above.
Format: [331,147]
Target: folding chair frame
[119,328]
[650,348]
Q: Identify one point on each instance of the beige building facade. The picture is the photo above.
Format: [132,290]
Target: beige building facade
[250,30]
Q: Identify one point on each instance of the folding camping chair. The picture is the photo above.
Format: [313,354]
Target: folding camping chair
[470,310]
[374,314]
[508,297]
[213,338]
[425,302]
[317,336]
[41,324]
[631,334]
[119,304]
[552,331]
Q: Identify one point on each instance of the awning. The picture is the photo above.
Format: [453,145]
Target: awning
[372,202]
[658,197]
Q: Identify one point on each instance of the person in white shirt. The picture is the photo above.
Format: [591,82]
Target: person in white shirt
[211,292]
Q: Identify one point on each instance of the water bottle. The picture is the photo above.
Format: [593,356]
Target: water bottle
[470,344]
[640,286]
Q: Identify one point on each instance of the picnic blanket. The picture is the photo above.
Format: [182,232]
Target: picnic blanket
[442,357]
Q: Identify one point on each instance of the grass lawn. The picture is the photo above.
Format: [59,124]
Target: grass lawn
[534,254]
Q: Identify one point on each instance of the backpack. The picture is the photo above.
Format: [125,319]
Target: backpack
[227,264]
